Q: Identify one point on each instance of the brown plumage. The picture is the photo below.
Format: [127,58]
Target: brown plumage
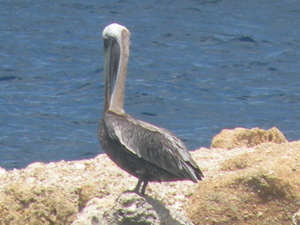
[145,151]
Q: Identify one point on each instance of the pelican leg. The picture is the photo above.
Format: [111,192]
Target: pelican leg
[138,186]
[144,187]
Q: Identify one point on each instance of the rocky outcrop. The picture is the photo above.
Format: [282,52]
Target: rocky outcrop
[58,193]
[246,185]
[131,208]
[241,137]
[261,187]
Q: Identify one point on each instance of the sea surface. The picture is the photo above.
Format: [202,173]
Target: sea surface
[195,68]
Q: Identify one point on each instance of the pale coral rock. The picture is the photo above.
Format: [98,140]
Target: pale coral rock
[261,187]
[296,218]
[131,208]
[241,137]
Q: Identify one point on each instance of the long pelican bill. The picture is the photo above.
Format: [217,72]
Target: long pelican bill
[116,51]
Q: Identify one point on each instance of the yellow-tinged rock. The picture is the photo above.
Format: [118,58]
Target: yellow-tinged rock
[241,137]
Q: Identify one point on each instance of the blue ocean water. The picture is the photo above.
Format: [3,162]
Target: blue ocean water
[196,67]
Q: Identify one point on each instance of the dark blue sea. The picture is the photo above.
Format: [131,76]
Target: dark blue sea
[195,68]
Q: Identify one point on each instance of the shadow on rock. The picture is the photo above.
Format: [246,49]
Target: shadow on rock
[131,208]
[167,215]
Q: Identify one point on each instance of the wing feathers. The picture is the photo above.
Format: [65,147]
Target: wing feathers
[154,144]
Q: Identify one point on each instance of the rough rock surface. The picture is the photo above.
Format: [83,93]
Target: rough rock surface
[241,137]
[296,218]
[130,208]
[55,193]
[253,185]
[261,187]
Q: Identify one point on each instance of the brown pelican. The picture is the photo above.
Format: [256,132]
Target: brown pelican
[145,151]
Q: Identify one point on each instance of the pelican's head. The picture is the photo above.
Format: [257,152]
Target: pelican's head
[115,31]
[116,52]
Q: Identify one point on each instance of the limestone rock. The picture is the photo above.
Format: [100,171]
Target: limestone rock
[264,190]
[91,214]
[55,193]
[296,218]
[130,208]
[241,137]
